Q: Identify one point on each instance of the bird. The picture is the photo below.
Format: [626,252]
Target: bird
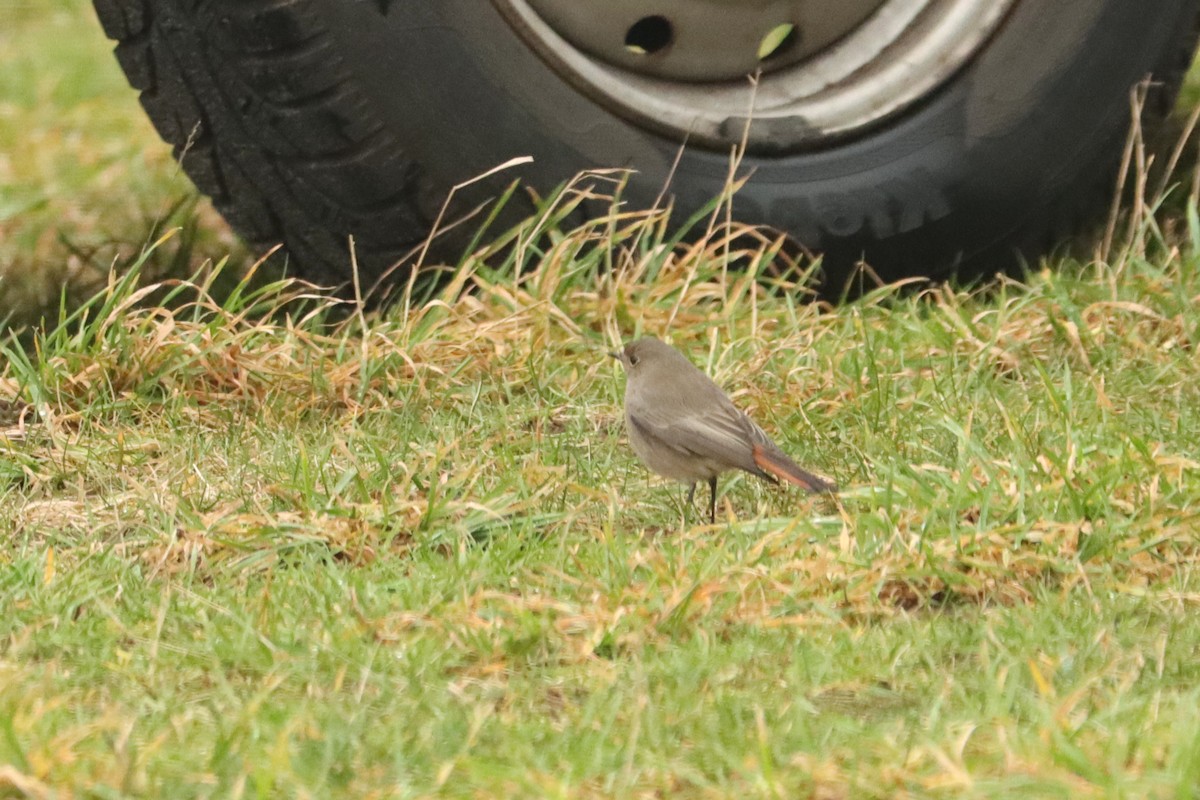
[684,427]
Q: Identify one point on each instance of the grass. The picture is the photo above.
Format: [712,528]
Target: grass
[254,546]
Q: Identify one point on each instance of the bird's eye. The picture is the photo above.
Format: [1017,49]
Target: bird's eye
[633,360]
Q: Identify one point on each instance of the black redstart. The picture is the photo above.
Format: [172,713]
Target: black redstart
[685,428]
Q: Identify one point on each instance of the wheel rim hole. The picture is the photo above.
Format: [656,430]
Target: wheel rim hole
[779,40]
[648,35]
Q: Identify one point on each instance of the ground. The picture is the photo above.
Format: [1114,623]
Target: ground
[256,545]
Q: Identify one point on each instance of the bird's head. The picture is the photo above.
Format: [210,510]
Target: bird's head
[642,353]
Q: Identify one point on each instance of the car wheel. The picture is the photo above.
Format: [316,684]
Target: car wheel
[922,136]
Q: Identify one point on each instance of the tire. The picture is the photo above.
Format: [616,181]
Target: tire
[309,120]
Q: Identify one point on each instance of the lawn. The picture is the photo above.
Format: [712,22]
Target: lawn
[256,546]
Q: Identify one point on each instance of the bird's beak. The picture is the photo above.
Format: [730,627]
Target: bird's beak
[615,354]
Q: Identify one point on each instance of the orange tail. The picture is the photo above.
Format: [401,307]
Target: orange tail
[782,467]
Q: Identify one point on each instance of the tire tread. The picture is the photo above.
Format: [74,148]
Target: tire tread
[262,118]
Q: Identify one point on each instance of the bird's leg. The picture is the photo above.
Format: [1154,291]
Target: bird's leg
[712,499]
[691,496]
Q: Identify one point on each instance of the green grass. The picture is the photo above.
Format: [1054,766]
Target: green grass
[250,547]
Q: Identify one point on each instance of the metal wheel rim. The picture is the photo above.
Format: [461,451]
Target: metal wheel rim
[898,53]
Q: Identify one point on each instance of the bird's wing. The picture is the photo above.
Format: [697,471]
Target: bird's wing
[722,434]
